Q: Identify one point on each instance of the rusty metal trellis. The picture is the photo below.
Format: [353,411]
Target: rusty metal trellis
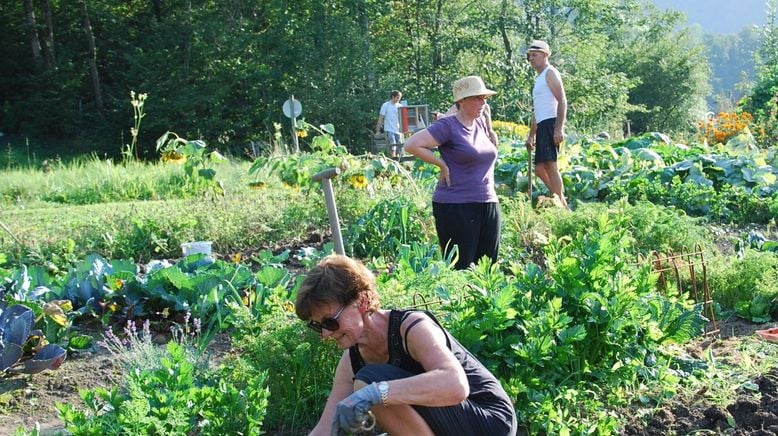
[673,264]
[424,304]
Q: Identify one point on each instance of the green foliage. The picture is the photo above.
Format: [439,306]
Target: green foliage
[740,282]
[210,289]
[175,396]
[560,339]
[724,182]
[300,363]
[757,310]
[647,227]
[353,54]
[731,58]
[146,230]
[670,94]
[416,276]
[387,225]
[762,103]
[200,175]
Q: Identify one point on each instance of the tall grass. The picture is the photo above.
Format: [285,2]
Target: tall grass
[93,180]
[144,230]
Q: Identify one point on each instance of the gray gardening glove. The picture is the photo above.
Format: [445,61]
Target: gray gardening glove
[351,412]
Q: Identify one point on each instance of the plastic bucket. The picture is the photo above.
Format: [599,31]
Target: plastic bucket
[196,247]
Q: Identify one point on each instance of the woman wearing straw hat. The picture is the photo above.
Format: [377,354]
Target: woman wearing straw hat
[464,203]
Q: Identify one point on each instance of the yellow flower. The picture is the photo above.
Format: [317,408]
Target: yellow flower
[358,181]
[173,156]
[302,133]
[509,129]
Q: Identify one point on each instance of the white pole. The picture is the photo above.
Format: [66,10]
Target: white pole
[294,129]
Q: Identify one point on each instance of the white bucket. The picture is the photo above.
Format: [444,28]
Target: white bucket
[196,247]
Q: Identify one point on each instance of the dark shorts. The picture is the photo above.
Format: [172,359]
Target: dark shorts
[545,149]
[466,418]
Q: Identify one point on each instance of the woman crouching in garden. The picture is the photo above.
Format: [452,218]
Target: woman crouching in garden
[402,366]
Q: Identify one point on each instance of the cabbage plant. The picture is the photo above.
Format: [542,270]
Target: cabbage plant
[18,340]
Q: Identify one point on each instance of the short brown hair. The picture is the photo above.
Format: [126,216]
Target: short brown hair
[336,279]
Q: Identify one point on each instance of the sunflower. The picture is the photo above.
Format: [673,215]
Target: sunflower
[358,181]
[173,156]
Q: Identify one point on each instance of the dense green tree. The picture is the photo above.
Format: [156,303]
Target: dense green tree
[762,102]
[732,62]
[221,70]
[671,68]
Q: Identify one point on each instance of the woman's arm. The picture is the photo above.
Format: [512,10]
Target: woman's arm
[342,387]
[443,383]
[421,145]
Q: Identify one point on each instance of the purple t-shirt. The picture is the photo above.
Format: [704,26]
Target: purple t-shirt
[470,157]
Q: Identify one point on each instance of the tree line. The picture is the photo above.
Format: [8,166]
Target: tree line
[221,70]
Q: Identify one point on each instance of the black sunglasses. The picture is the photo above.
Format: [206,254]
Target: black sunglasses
[328,323]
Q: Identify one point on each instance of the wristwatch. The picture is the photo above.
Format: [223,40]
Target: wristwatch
[383,388]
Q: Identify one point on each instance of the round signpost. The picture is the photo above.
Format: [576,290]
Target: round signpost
[292,109]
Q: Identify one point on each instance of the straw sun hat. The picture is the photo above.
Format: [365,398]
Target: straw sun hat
[541,46]
[470,86]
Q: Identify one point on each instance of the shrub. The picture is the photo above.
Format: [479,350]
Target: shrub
[386,226]
[732,280]
[561,339]
[301,364]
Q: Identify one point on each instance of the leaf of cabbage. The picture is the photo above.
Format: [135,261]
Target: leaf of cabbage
[18,329]
[9,355]
[651,156]
[55,312]
[49,357]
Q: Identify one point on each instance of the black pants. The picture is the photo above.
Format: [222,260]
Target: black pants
[470,417]
[473,227]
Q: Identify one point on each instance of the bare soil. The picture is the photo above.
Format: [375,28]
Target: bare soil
[753,412]
[25,400]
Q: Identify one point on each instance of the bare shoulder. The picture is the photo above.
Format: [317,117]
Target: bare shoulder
[553,73]
[421,326]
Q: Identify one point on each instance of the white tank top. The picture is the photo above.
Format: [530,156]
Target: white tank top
[543,99]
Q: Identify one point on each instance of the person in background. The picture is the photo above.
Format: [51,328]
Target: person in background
[402,366]
[464,204]
[547,129]
[388,117]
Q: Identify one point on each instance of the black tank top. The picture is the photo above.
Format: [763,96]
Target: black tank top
[484,387]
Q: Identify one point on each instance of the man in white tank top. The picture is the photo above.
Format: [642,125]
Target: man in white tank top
[547,129]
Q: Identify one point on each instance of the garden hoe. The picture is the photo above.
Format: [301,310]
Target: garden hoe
[332,209]
[529,175]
